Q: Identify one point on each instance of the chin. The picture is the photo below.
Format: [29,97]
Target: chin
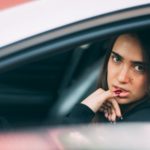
[123,101]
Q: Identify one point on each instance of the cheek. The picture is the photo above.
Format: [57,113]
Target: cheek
[140,84]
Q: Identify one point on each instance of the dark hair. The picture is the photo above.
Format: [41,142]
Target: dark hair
[102,82]
[144,39]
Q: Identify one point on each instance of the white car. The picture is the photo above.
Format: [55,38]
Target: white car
[51,51]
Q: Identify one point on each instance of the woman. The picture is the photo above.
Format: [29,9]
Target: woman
[123,93]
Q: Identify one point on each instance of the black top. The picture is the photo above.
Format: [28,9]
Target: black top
[135,112]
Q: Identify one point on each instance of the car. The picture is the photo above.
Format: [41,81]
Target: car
[79,137]
[51,54]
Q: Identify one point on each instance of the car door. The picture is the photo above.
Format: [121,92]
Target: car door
[44,75]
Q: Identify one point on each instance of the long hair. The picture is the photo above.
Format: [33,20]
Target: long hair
[144,39]
[102,81]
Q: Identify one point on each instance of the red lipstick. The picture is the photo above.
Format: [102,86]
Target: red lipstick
[120,91]
[117,92]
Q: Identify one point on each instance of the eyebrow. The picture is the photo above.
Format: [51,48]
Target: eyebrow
[134,62]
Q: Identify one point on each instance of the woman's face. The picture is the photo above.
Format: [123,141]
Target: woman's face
[127,76]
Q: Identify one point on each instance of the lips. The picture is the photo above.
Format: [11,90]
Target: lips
[120,92]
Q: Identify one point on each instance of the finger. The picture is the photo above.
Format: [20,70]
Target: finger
[97,98]
[101,109]
[116,108]
[109,117]
[108,104]
[106,95]
[106,115]
[102,95]
[106,111]
[104,106]
[109,111]
[113,116]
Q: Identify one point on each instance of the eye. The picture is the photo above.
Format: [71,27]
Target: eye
[116,58]
[140,68]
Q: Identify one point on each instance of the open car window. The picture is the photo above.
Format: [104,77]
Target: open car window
[45,73]
[46,89]
[30,92]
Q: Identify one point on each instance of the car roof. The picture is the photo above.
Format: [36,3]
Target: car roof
[35,17]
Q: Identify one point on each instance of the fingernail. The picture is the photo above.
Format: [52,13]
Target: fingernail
[121,118]
[114,122]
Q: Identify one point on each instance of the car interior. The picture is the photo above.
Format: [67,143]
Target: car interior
[32,93]
[46,88]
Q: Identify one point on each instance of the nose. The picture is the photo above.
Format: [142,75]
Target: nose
[124,75]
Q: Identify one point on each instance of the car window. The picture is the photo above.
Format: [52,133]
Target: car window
[29,92]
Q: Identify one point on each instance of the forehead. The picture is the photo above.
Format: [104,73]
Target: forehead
[129,47]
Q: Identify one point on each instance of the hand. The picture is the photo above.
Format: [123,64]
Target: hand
[111,110]
[96,100]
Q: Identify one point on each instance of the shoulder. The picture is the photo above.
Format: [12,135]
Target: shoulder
[141,115]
